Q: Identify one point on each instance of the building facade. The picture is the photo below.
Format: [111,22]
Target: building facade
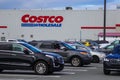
[56,24]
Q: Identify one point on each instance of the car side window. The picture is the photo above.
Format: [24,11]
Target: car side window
[56,46]
[18,47]
[46,46]
[110,47]
[5,47]
[62,46]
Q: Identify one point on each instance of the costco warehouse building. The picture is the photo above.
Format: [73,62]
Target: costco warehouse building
[56,24]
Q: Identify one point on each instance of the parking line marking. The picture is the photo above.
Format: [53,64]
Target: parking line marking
[80,68]
[51,76]
[75,70]
[16,79]
[91,68]
[36,76]
[69,73]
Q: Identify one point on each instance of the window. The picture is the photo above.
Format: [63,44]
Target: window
[115,42]
[18,47]
[46,46]
[62,46]
[22,35]
[5,47]
[109,47]
[57,46]
[3,38]
[31,36]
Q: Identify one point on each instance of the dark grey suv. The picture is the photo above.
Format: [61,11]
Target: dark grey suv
[27,57]
[70,55]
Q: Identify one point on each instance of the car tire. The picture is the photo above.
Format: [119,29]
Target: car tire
[76,62]
[106,72]
[41,68]
[95,59]
[50,72]
[1,70]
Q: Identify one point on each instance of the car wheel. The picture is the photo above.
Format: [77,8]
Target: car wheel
[106,72]
[95,59]
[1,70]
[76,62]
[41,67]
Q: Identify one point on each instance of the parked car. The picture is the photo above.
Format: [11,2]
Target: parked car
[27,57]
[112,61]
[70,55]
[109,48]
[96,56]
[115,42]
[102,43]
[91,44]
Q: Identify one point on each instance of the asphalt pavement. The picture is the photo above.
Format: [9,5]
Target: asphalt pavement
[89,72]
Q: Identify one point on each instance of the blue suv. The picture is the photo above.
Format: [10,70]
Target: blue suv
[70,54]
[112,61]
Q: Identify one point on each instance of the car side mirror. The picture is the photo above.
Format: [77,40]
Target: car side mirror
[26,51]
[65,49]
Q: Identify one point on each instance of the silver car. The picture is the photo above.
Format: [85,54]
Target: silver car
[97,56]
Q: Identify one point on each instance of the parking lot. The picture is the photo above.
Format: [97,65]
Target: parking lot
[88,72]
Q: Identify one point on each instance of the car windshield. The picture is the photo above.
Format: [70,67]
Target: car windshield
[109,47]
[115,42]
[80,47]
[79,43]
[32,48]
[67,46]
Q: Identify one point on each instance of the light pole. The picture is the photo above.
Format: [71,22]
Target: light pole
[104,30]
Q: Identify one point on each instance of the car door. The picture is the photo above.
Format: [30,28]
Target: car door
[55,48]
[5,54]
[62,50]
[12,56]
[19,58]
[46,46]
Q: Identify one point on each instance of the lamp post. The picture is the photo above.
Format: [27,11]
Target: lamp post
[104,30]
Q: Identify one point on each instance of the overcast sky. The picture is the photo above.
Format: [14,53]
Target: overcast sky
[57,4]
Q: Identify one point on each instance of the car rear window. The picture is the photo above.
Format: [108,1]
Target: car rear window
[47,46]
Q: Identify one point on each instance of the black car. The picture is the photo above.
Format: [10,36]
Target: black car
[70,54]
[27,57]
